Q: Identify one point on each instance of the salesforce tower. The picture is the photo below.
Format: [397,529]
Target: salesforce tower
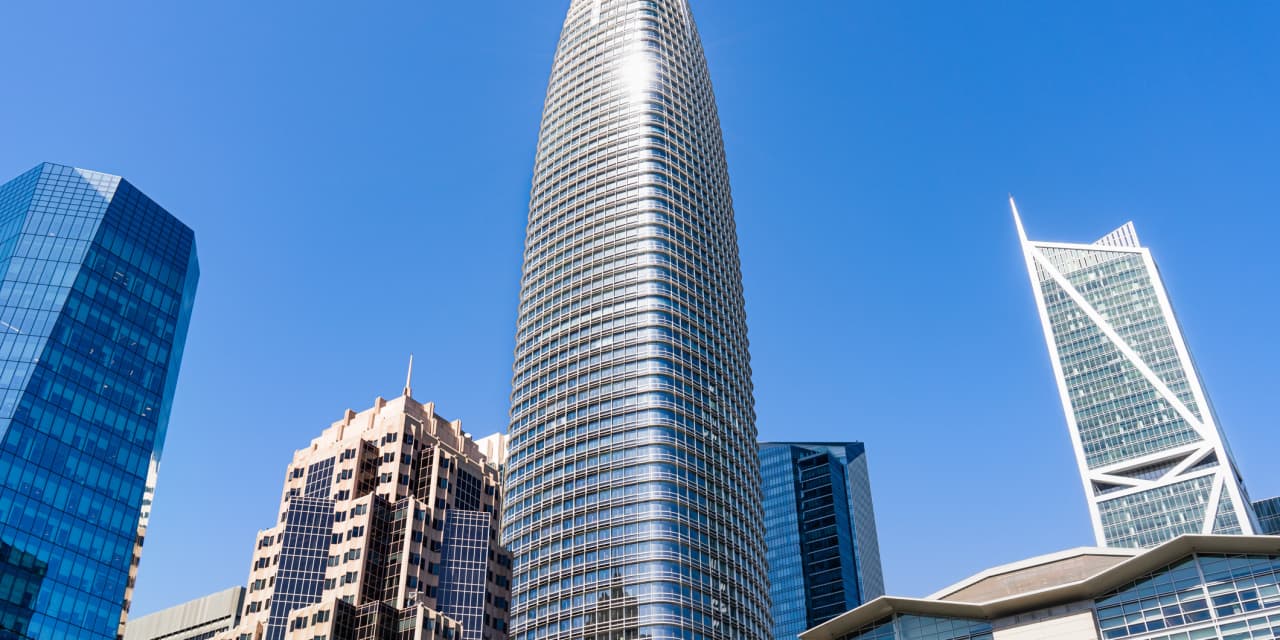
[633,486]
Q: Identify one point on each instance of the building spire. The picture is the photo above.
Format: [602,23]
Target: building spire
[408,379]
[1017,219]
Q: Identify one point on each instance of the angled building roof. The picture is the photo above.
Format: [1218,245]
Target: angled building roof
[1035,574]
[1042,582]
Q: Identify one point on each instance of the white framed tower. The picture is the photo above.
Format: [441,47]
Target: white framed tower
[1152,457]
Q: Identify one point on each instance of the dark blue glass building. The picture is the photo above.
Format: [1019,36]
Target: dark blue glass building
[820,530]
[1268,512]
[96,287]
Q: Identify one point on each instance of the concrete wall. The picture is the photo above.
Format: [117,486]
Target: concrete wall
[1069,622]
[210,613]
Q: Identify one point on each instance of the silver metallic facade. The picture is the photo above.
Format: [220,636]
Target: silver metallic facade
[634,502]
[1153,459]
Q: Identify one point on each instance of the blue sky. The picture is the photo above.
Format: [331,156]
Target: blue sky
[358,183]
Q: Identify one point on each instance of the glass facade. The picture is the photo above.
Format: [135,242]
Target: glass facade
[303,559]
[1153,458]
[95,300]
[463,561]
[1268,512]
[1207,596]
[823,551]
[908,627]
[633,494]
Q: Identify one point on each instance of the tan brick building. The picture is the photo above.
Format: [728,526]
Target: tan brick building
[388,528]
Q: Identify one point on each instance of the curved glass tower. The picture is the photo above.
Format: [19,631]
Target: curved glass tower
[633,486]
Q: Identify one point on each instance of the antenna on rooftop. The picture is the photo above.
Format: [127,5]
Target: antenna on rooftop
[408,379]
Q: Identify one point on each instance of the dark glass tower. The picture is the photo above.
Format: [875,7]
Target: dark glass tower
[824,553]
[634,505]
[96,296]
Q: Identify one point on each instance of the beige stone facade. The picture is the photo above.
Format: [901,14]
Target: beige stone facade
[389,519]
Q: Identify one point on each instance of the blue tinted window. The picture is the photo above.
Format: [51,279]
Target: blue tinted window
[1202,589]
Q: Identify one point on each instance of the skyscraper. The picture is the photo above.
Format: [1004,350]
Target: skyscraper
[96,296]
[820,528]
[388,525]
[634,504]
[1152,457]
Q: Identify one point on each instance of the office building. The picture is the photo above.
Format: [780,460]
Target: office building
[388,524]
[1153,459]
[1191,588]
[95,299]
[494,448]
[200,619]
[820,530]
[1268,512]
[632,476]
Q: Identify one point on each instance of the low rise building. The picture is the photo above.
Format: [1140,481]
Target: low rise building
[1190,588]
[198,619]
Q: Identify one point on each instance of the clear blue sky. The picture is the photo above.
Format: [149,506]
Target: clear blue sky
[357,178]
